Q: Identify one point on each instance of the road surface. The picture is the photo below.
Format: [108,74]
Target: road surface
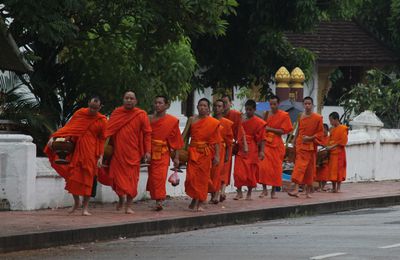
[362,234]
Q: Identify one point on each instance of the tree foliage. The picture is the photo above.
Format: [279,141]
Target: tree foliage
[382,19]
[380,93]
[254,46]
[80,47]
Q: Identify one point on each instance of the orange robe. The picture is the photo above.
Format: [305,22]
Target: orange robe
[130,134]
[88,134]
[165,136]
[337,156]
[247,165]
[204,135]
[238,132]
[306,153]
[323,170]
[271,167]
[217,174]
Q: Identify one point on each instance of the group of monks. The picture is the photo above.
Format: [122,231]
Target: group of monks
[255,143]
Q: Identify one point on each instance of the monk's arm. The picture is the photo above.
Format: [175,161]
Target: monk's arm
[186,131]
[245,146]
[227,149]
[102,138]
[146,128]
[318,136]
[261,146]
[216,156]
[275,130]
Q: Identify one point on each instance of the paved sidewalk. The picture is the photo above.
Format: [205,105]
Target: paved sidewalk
[21,230]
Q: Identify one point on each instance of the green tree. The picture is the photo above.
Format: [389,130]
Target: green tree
[79,47]
[380,93]
[382,19]
[254,46]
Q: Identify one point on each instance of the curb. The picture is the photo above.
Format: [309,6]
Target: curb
[167,226]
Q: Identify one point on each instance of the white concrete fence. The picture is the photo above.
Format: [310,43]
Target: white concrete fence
[28,182]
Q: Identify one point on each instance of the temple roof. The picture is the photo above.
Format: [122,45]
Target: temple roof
[343,43]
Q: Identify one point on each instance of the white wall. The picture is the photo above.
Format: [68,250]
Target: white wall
[51,193]
[17,171]
[371,157]
[30,183]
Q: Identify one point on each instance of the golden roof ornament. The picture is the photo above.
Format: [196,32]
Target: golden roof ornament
[282,77]
[297,77]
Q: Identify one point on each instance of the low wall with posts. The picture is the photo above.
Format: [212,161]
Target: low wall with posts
[372,151]
[50,191]
[28,183]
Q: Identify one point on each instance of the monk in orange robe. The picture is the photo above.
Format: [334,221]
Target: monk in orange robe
[307,138]
[239,138]
[204,152]
[323,169]
[87,130]
[165,138]
[278,123]
[216,180]
[337,155]
[247,164]
[130,133]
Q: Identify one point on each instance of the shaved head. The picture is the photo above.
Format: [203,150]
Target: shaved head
[129,101]
[129,92]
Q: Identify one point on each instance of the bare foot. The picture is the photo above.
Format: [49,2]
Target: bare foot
[119,206]
[199,209]
[222,197]
[239,196]
[308,196]
[86,213]
[74,208]
[159,207]
[129,210]
[263,194]
[248,197]
[293,194]
[273,196]
[191,205]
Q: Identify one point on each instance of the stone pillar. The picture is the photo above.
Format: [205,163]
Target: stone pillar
[18,171]
[296,91]
[368,121]
[282,78]
[324,85]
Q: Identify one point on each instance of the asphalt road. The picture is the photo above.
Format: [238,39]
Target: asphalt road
[363,234]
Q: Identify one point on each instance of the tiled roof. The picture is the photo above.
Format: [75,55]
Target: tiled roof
[343,43]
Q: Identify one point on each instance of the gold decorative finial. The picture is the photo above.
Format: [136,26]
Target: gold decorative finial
[297,77]
[282,77]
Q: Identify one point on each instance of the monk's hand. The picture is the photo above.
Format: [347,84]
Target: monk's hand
[147,157]
[215,161]
[176,162]
[245,149]
[261,156]
[100,161]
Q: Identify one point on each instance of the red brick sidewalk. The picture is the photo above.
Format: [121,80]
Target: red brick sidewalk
[27,222]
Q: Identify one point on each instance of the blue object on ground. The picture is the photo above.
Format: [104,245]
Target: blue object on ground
[286,177]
